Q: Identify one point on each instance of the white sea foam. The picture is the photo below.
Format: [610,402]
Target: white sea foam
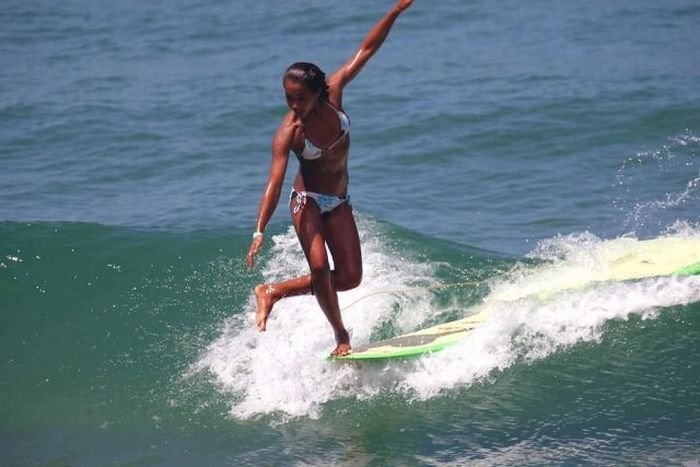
[537,311]
[530,329]
[283,372]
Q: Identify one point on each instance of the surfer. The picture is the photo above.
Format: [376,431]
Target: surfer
[317,130]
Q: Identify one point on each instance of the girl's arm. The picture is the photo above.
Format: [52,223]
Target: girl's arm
[281,145]
[372,42]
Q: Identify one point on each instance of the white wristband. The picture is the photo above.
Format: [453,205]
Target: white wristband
[257,234]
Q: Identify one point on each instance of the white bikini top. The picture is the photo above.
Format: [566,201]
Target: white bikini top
[311,151]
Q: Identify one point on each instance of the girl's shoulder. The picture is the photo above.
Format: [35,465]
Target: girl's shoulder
[335,93]
[290,131]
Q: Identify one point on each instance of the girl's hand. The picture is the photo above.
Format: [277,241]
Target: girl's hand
[254,248]
[401,5]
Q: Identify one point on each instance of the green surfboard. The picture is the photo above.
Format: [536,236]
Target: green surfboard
[614,260]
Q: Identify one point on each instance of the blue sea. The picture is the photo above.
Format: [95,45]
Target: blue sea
[488,139]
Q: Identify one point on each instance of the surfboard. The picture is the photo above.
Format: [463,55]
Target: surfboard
[621,259]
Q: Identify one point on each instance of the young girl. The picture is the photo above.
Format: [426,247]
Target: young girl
[317,130]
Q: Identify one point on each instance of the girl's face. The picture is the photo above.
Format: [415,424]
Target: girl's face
[300,99]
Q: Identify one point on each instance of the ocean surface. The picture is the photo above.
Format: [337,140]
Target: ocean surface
[489,140]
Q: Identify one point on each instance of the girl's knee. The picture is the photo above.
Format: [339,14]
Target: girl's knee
[346,280]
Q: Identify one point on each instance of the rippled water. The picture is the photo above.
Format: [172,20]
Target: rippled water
[135,141]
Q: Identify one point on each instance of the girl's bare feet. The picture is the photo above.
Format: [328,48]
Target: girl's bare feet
[264,299]
[343,348]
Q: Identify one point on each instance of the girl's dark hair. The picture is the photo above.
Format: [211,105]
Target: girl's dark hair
[309,75]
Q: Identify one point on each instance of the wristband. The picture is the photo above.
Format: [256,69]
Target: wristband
[257,234]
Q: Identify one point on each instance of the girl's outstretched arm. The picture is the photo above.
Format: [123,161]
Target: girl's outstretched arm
[372,42]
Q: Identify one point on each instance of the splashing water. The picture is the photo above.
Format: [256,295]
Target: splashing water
[284,369]
[283,372]
[675,168]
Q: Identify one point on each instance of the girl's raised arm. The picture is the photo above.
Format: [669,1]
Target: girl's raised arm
[372,42]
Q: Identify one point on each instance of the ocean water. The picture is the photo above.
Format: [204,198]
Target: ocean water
[489,140]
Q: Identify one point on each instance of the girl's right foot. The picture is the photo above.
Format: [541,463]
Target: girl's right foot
[264,299]
[343,348]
